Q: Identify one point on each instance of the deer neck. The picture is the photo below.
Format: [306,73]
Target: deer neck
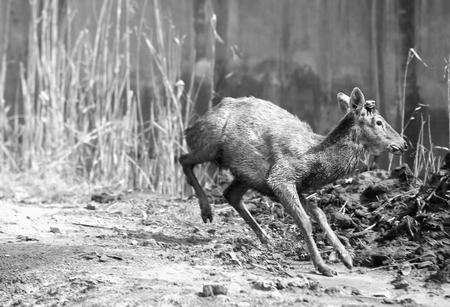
[343,144]
[335,157]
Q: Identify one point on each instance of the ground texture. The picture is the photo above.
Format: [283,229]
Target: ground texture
[139,249]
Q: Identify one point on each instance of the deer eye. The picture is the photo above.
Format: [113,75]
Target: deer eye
[379,122]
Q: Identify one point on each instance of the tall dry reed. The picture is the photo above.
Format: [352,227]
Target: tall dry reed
[83,112]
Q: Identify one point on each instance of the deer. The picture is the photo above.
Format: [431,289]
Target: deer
[271,151]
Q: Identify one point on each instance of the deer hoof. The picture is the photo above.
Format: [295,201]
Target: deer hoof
[327,271]
[347,260]
[207,217]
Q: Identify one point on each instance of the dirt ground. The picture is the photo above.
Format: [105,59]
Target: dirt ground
[147,250]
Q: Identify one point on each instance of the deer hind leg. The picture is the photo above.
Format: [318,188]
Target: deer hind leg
[321,219]
[289,198]
[188,162]
[233,194]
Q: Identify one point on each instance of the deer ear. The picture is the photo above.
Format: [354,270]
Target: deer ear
[357,99]
[344,102]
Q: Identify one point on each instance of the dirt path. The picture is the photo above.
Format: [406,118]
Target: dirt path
[152,251]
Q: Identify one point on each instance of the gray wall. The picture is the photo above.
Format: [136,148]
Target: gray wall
[297,53]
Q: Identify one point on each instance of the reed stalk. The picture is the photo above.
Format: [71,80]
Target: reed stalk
[83,111]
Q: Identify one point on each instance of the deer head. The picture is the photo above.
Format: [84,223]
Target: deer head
[373,130]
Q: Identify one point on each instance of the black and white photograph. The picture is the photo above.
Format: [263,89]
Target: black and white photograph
[224,153]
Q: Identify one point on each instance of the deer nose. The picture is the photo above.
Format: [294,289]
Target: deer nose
[405,146]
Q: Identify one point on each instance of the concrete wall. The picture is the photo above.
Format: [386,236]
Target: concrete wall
[297,53]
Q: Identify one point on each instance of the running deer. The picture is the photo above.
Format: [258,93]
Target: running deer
[271,151]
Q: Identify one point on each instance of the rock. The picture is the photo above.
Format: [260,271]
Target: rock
[103,258]
[281,284]
[134,242]
[405,269]
[265,285]
[388,301]
[90,207]
[407,302]
[356,292]
[333,290]
[303,283]
[212,290]
[400,283]
[55,230]
[219,290]
[149,242]
[333,257]
[207,291]
[105,197]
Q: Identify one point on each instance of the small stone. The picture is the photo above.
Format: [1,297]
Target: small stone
[52,291]
[281,284]
[400,283]
[207,291]
[219,290]
[356,292]
[134,242]
[405,269]
[265,285]
[211,290]
[332,290]
[55,230]
[149,242]
[333,257]
[103,258]
[90,207]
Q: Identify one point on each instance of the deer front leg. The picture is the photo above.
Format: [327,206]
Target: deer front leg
[288,196]
[321,219]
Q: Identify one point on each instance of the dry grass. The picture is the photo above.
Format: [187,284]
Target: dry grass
[426,160]
[82,113]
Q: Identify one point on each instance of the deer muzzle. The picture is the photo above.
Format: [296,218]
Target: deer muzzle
[398,149]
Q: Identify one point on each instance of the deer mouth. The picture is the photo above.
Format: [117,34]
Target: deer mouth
[395,149]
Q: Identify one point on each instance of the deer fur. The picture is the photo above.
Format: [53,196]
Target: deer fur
[269,150]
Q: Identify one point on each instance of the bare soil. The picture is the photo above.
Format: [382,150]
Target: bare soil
[147,250]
